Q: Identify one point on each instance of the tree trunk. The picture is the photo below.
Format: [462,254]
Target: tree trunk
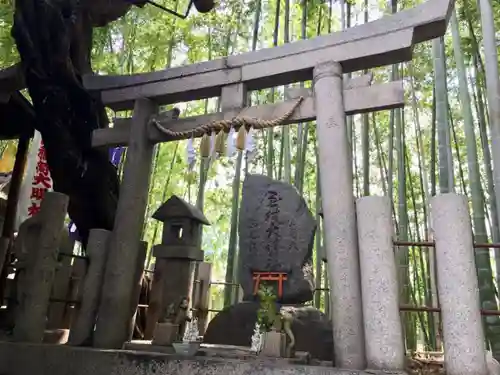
[54,39]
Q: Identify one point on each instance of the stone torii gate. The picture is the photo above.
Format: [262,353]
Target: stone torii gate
[324,60]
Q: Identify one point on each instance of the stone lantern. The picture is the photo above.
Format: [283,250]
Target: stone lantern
[174,271]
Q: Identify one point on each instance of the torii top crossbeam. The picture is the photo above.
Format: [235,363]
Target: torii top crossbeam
[382,42]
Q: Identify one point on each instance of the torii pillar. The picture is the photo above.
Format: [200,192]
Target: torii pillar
[124,247]
[339,216]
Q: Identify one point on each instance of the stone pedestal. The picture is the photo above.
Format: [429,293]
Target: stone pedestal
[379,285]
[36,289]
[172,281]
[274,344]
[463,337]
[339,216]
[165,334]
[177,275]
[179,282]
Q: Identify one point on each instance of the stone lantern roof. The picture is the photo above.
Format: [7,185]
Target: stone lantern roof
[177,207]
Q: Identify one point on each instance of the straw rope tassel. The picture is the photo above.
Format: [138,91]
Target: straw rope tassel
[241,138]
[220,139]
[205,146]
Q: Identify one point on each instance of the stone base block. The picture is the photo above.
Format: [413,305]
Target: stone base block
[274,344]
[165,333]
[235,324]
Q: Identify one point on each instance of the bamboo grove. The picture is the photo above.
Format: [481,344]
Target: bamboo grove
[445,139]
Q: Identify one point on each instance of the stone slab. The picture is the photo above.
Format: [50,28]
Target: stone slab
[36,291]
[356,100]
[29,359]
[276,234]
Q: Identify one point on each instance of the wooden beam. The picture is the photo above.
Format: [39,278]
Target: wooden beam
[356,100]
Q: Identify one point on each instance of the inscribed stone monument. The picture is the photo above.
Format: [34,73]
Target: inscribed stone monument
[276,235]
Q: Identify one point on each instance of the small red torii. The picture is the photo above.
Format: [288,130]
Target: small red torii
[269,276]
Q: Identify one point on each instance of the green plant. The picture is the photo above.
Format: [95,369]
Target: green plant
[267,314]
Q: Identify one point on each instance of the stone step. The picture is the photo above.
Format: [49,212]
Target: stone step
[29,359]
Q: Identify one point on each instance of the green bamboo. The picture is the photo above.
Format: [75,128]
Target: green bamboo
[233,234]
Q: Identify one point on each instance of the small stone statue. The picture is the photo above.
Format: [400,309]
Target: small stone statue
[177,313]
[170,314]
[182,315]
[286,324]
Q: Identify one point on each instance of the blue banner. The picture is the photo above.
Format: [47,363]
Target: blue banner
[115,155]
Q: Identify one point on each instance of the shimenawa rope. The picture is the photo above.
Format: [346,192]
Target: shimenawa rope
[226,125]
